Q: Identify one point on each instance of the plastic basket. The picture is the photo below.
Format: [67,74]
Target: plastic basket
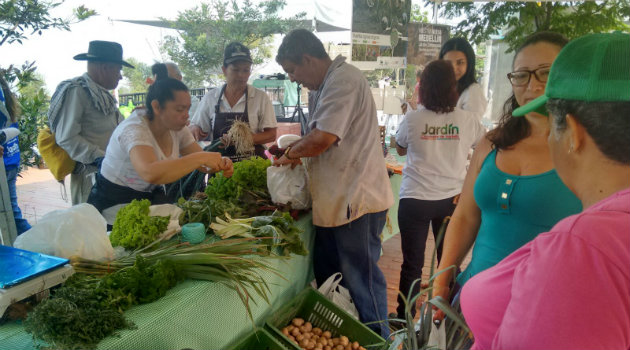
[313,307]
[259,340]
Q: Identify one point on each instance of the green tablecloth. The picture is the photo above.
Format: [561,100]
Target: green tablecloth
[290,89]
[196,314]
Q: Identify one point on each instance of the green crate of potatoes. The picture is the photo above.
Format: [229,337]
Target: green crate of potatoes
[260,340]
[328,325]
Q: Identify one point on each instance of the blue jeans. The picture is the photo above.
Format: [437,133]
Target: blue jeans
[354,249]
[20,224]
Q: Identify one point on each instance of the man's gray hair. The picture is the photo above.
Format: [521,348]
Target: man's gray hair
[298,43]
[608,123]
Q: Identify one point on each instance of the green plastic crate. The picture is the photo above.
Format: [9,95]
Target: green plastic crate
[259,340]
[315,308]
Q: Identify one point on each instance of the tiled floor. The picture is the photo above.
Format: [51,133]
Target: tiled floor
[39,193]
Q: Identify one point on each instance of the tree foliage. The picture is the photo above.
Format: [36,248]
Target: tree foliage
[135,79]
[19,18]
[517,20]
[205,30]
[417,15]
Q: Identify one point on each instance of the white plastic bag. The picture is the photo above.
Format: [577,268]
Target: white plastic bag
[80,230]
[338,294]
[437,337]
[288,185]
[168,210]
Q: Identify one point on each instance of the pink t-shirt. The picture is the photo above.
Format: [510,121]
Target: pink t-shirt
[567,289]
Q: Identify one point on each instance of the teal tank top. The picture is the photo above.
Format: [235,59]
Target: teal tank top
[514,210]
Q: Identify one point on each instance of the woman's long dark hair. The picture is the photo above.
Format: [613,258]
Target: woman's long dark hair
[438,87]
[511,130]
[461,44]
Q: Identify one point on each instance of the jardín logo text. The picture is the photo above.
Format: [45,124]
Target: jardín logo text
[446,132]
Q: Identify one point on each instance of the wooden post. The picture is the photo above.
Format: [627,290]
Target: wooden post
[8,232]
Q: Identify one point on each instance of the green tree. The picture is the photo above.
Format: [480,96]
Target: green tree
[516,20]
[18,20]
[205,30]
[136,79]
[32,86]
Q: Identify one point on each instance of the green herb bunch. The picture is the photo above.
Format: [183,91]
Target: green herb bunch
[249,175]
[134,228]
[279,227]
[87,308]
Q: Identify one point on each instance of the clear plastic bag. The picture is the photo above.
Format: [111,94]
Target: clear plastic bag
[80,230]
[289,186]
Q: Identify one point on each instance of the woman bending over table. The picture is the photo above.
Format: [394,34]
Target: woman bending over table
[149,150]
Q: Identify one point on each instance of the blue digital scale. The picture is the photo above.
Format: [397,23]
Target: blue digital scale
[24,273]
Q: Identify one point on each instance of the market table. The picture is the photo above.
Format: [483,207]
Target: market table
[197,314]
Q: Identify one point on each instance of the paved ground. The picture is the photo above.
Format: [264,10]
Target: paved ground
[39,193]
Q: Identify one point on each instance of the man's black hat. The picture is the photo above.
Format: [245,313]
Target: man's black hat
[103,51]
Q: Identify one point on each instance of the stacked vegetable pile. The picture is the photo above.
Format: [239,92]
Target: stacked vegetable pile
[246,189]
[228,207]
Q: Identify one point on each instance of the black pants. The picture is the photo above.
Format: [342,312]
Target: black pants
[414,217]
[106,194]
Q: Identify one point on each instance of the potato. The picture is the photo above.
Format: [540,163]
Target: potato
[298,322]
[339,347]
[290,327]
[335,341]
[295,332]
[303,343]
[355,345]
[292,338]
[343,340]
[361,348]
[327,334]
[327,347]
[317,330]
[323,341]
[309,326]
[348,347]
[307,335]
[285,331]
[300,337]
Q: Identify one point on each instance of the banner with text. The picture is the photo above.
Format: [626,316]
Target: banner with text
[379,30]
[425,42]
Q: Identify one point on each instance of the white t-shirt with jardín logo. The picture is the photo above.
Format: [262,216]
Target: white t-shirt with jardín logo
[437,150]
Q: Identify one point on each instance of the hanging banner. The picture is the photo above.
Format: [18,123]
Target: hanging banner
[425,42]
[379,33]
